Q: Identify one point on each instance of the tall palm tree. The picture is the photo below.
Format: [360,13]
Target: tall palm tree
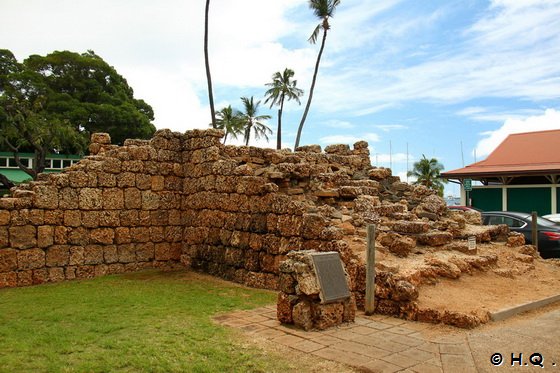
[207,64]
[282,88]
[230,120]
[323,10]
[252,121]
[427,173]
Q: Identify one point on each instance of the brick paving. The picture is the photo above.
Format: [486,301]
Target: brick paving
[384,344]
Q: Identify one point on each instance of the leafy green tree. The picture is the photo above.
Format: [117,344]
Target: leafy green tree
[25,124]
[52,104]
[427,172]
[323,10]
[92,96]
[207,65]
[252,122]
[230,120]
[282,88]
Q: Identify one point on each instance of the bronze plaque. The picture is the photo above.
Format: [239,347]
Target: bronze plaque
[330,273]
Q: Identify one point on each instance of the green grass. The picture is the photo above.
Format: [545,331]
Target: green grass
[143,322]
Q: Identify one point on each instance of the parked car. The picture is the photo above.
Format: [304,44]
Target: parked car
[463,208]
[549,232]
[554,217]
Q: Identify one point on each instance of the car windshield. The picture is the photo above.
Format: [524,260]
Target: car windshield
[543,221]
[546,222]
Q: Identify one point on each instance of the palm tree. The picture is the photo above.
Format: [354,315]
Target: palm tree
[207,63]
[229,120]
[427,173]
[323,10]
[282,88]
[252,121]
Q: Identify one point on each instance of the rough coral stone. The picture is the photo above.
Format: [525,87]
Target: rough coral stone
[25,278]
[8,260]
[72,218]
[435,238]
[23,237]
[126,253]
[110,254]
[91,199]
[101,138]
[302,315]
[8,280]
[93,254]
[4,217]
[102,236]
[397,244]
[460,320]
[58,256]
[68,198]
[113,199]
[46,197]
[443,268]
[31,259]
[327,315]
[55,274]
[284,306]
[515,239]
[165,251]
[404,226]
[145,252]
[4,238]
[404,291]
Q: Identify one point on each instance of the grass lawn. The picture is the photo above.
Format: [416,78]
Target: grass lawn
[143,322]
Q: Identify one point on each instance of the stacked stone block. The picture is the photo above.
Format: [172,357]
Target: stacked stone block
[117,210]
[240,221]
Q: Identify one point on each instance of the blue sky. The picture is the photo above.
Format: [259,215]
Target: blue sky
[430,76]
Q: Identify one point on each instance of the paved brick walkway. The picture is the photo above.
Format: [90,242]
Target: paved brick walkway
[385,344]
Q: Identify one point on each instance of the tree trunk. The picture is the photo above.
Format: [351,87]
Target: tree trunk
[225,137]
[279,132]
[207,63]
[6,182]
[300,128]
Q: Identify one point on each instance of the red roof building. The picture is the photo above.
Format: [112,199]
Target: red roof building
[521,174]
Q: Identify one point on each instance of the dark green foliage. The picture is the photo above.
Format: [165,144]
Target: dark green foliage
[427,173]
[92,96]
[252,121]
[281,89]
[52,104]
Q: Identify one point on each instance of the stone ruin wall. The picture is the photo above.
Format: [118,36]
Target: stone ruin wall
[118,210]
[175,200]
[186,200]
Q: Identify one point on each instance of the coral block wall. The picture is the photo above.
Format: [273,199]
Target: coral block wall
[117,210]
[175,200]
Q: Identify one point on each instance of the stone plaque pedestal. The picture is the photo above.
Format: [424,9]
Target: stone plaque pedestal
[314,291]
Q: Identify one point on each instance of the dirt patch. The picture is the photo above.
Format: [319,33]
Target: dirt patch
[514,281]
[519,276]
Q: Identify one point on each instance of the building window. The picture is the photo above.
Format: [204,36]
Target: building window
[56,163]
[25,161]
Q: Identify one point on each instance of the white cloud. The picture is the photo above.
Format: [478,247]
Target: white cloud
[390,127]
[158,47]
[549,120]
[512,51]
[491,114]
[392,158]
[348,139]
[335,123]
